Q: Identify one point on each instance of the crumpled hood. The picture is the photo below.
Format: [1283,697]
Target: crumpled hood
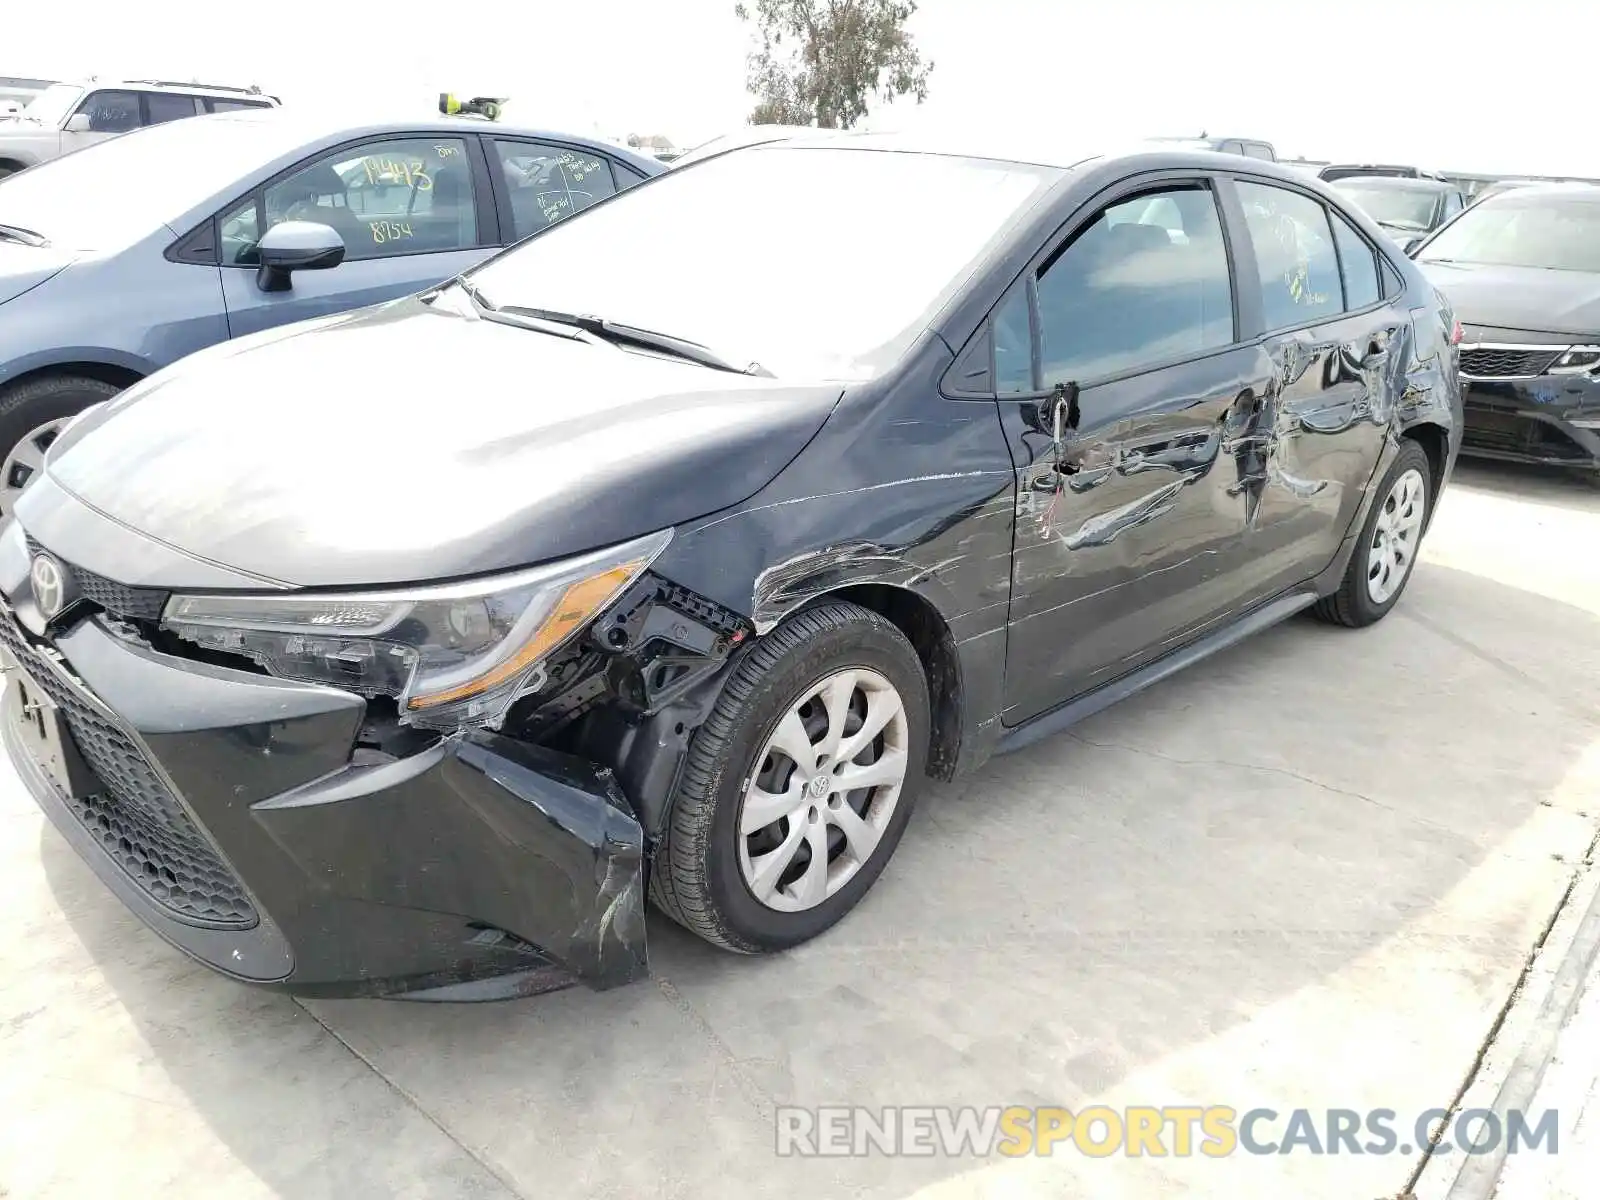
[1527,298]
[407,443]
[25,267]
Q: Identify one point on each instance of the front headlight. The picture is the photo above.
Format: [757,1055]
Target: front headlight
[450,656]
[1576,361]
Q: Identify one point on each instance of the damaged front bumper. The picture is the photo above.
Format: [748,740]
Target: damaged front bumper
[235,814]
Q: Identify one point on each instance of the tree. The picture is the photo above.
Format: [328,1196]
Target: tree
[823,62]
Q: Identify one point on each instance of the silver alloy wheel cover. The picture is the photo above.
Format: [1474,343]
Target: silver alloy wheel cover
[817,795]
[29,453]
[1396,536]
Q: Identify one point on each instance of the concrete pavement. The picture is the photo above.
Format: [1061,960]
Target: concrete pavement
[1308,873]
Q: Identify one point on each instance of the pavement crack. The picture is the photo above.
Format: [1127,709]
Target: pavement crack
[493,1170]
[1582,711]
[1263,768]
[748,1087]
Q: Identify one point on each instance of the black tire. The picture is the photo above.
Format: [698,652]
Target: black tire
[1352,604]
[695,877]
[26,406]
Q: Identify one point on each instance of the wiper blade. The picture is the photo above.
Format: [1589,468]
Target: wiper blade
[650,339]
[531,319]
[15,233]
[599,329]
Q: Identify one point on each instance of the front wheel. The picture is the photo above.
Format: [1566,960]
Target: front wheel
[798,786]
[32,414]
[1390,540]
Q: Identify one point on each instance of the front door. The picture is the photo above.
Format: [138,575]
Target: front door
[407,208]
[1125,340]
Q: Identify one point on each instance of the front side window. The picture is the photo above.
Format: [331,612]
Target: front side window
[400,196]
[1132,291]
[111,112]
[164,107]
[549,183]
[1294,253]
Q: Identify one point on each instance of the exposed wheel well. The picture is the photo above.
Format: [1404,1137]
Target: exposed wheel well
[10,165]
[1432,440]
[928,633]
[117,377]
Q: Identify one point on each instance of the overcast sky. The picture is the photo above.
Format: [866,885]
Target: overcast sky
[1416,80]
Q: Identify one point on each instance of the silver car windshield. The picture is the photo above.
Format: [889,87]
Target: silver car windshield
[1524,229]
[816,262]
[51,106]
[114,192]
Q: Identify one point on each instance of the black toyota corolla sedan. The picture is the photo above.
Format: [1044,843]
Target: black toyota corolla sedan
[1522,270]
[668,553]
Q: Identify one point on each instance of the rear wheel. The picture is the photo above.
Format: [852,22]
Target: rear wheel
[32,414]
[1387,549]
[798,786]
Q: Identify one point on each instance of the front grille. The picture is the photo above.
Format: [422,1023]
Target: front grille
[136,818]
[1506,362]
[118,599]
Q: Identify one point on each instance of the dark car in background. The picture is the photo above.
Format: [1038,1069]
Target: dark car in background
[1523,271]
[1406,209]
[725,515]
[1336,171]
[228,224]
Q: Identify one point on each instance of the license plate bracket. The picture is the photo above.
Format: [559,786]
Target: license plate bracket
[44,734]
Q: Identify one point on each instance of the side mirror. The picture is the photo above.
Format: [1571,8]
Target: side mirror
[296,246]
[77,123]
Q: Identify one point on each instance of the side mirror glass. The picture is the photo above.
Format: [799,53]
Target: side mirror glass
[296,246]
[77,123]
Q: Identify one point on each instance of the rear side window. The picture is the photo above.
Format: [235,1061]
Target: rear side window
[1358,263]
[550,183]
[164,107]
[1299,269]
[1146,282]
[1260,150]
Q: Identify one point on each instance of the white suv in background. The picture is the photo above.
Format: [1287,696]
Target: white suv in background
[67,116]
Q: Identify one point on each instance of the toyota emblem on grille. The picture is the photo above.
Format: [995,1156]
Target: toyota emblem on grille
[49,585]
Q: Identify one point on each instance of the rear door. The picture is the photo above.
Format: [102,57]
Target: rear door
[413,210]
[1333,344]
[1125,523]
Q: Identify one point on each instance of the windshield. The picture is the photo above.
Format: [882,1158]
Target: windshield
[1516,229]
[116,191]
[1409,208]
[51,106]
[820,262]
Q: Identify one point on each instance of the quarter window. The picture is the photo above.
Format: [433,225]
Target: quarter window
[1013,345]
[165,106]
[220,104]
[1147,282]
[112,112]
[549,183]
[402,196]
[1359,266]
[1294,252]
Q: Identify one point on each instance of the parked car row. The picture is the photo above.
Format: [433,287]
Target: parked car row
[666,551]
